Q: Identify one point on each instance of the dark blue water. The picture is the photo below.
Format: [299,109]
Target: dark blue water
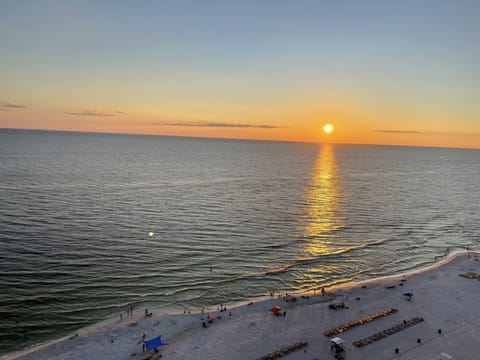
[76,211]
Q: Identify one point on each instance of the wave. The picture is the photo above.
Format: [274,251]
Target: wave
[327,256]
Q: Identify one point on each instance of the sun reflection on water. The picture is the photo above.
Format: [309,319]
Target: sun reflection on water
[321,222]
[323,204]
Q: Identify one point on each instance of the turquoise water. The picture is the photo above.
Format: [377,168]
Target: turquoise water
[231,220]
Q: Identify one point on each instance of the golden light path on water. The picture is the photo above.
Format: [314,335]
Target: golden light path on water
[321,221]
[322,203]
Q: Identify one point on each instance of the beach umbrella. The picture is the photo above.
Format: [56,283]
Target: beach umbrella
[408,294]
[276,309]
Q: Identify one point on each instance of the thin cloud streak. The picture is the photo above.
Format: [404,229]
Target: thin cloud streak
[399,131]
[93,113]
[13,106]
[220,124]
[440,133]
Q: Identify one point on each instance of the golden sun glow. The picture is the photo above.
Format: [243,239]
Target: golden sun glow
[328,128]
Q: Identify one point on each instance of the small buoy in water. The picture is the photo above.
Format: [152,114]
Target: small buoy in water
[150,233]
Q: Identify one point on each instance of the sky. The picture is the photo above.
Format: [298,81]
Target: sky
[381,72]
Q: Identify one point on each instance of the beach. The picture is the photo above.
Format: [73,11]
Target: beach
[444,304]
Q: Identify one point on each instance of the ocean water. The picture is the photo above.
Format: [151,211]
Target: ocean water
[231,220]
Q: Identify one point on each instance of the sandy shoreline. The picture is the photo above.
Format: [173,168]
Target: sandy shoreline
[446,303]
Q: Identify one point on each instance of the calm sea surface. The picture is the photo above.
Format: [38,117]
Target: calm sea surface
[231,220]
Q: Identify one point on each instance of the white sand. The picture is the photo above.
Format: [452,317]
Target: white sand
[445,301]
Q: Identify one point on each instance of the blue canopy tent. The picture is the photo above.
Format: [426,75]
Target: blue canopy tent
[154,343]
[408,295]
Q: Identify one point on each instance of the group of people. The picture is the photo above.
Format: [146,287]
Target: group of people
[337,305]
[129,313]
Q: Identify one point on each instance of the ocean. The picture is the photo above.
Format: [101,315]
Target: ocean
[91,224]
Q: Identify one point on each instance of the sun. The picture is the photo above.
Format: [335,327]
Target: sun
[328,128]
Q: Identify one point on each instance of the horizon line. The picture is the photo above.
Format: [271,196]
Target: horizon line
[241,139]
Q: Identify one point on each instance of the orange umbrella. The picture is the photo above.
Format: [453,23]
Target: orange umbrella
[276,309]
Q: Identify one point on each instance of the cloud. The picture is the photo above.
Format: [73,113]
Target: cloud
[220,124]
[398,131]
[13,106]
[434,133]
[93,113]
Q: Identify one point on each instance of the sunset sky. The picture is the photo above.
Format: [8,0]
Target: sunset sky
[382,72]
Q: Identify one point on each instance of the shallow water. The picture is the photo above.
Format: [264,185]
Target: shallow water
[231,219]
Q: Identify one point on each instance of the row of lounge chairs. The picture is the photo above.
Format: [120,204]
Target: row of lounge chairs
[470,275]
[285,351]
[387,332]
[364,320]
